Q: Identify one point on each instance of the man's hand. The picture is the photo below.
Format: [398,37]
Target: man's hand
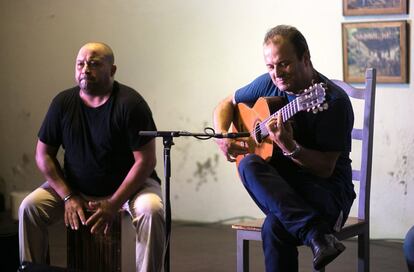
[232,148]
[103,215]
[281,133]
[74,210]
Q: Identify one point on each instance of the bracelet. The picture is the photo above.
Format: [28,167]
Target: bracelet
[67,197]
[294,152]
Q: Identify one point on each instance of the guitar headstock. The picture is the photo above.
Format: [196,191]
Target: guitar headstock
[313,98]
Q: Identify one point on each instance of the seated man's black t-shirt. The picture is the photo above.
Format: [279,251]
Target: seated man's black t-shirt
[98,142]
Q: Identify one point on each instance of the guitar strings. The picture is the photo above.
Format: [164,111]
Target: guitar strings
[287,111]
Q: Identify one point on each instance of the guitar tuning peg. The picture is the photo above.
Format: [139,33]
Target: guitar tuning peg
[315,110]
[325,106]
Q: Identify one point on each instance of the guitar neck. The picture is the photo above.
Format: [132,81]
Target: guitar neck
[310,99]
[287,111]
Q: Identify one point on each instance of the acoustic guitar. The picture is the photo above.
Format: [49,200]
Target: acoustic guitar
[253,119]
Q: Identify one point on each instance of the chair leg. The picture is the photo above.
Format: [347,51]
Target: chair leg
[363,252]
[242,253]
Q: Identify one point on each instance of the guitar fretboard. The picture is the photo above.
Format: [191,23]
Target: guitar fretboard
[311,99]
[287,111]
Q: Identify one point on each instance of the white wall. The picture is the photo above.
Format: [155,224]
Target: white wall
[184,56]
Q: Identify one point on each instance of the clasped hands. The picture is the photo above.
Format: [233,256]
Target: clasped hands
[103,214]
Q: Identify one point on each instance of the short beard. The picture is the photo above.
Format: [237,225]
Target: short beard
[95,88]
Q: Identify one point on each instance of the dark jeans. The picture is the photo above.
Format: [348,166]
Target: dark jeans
[295,211]
[409,249]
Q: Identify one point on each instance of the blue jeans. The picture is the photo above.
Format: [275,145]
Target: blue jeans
[295,211]
[409,249]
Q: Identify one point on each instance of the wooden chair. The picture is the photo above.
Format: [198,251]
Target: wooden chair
[114,252]
[354,226]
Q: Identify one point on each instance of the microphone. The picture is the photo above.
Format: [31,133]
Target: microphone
[232,135]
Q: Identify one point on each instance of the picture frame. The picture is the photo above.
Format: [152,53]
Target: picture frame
[369,7]
[381,45]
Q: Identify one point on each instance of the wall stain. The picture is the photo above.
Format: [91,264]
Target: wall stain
[387,139]
[405,185]
[205,171]
[25,159]
[184,119]
[25,115]
[400,175]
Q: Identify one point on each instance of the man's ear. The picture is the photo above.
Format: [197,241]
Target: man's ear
[113,70]
[306,58]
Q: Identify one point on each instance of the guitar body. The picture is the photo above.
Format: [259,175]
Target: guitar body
[248,119]
[254,119]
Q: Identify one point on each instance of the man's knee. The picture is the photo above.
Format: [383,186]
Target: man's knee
[28,207]
[248,165]
[149,204]
[39,206]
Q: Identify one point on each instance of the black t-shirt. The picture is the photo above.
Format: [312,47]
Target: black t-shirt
[329,130]
[98,142]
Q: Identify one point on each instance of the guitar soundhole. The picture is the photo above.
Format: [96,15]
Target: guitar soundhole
[257,133]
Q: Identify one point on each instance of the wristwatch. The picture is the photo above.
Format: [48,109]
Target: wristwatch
[294,152]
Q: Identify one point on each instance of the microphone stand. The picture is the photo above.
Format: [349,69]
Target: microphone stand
[167,137]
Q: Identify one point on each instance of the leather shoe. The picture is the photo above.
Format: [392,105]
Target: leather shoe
[325,249]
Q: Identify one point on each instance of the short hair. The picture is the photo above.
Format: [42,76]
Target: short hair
[291,34]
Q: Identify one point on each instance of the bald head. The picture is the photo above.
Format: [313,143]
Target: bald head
[103,49]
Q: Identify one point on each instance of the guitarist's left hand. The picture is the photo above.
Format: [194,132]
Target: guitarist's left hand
[232,148]
[281,133]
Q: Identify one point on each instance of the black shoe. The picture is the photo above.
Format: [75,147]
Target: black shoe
[22,267]
[325,249]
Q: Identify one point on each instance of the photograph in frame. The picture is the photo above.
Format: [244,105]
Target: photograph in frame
[368,7]
[381,45]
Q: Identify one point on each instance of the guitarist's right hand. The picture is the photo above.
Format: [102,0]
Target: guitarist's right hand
[232,148]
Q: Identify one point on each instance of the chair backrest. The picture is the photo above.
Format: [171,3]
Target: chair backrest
[365,134]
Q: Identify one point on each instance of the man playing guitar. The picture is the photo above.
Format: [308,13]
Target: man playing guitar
[305,186]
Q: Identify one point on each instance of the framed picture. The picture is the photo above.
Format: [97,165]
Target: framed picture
[367,7]
[381,45]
